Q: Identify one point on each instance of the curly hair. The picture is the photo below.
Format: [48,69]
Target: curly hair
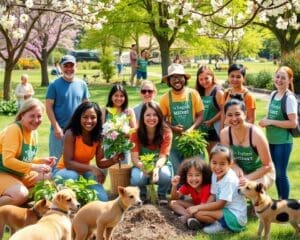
[198,164]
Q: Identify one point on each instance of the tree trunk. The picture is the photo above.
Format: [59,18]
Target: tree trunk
[165,55]
[7,81]
[44,68]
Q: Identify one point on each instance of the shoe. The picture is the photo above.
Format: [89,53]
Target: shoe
[162,200]
[215,227]
[194,224]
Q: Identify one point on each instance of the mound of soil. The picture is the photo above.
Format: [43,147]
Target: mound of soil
[150,222]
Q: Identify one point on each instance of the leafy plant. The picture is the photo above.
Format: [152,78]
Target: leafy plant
[148,161]
[8,107]
[47,188]
[191,143]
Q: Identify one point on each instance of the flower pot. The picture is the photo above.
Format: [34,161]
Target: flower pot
[119,176]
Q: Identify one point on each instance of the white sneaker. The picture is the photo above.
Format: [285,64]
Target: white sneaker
[215,227]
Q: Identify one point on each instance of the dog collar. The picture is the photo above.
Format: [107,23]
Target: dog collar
[264,209]
[121,205]
[60,210]
[36,213]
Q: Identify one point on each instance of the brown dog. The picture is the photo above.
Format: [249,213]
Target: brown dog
[16,217]
[55,224]
[269,210]
[104,216]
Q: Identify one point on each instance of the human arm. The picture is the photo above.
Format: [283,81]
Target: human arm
[30,91]
[175,194]
[132,118]
[211,205]
[250,104]
[50,113]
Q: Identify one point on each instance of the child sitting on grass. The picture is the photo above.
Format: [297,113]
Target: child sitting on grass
[225,209]
[194,177]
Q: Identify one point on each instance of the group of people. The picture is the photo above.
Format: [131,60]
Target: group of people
[238,150]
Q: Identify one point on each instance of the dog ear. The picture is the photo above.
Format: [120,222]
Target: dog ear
[43,202]
[260,188]
[121,190]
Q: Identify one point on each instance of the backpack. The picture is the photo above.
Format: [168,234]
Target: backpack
[294,131]
[213,94]
[238,96]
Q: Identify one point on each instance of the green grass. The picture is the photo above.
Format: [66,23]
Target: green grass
[99,91]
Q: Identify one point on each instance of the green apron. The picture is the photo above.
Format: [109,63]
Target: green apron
[181,113]
[28,153]
[209,112]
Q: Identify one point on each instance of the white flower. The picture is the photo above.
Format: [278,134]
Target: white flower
[171,23]
[187,7]
[172,9]
[125,129]
[98,26]
[196,17]
[18,33]
[190,21]
[281,23]
[7,22]
[24,18]
[107,126]
[201,31]
[181,29]
[29,3]
[263,17]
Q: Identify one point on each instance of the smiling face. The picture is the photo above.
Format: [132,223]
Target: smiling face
[194,177]
[150,118]
[88,119]
[68,71]
[281,80]
[118,99]
[177,82]
[205,79]
[147,93]
[219,164]
[236,79]
[235,116]
[32,119]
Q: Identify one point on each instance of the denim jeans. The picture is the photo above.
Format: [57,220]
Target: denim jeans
[55,145]
[280,154]
[138,178]
[71,174]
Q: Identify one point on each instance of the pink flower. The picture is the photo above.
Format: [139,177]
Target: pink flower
[114,135]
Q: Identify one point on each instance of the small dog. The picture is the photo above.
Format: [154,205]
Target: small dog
[16,217]
[269,210]
[104,216]
[56,223]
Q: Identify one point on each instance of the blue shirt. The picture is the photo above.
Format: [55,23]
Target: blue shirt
[67,96]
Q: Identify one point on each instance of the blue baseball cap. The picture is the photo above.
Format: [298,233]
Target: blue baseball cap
[67,59]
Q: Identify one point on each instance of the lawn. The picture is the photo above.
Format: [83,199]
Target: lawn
[99,91]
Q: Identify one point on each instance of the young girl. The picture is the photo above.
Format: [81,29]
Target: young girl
[225,209]
[237,78]
[279,138]
[118,99]
[152,136]
[212,96]
[82,142]
[195,177]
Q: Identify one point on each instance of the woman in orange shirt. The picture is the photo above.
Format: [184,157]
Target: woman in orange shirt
[82,143]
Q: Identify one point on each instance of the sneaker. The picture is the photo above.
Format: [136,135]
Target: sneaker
[162,200]
[194,224]
[215,227]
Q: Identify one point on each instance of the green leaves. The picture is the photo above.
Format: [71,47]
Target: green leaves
[8,107]
[191,143]
[46,189]
[148,161]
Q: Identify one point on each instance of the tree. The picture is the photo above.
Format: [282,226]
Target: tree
[49,31]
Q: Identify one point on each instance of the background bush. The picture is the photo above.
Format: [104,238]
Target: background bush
[27,63]
[263,79]
[293,61]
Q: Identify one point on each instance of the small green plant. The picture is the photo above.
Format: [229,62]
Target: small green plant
[47,188]
[8,108]
[148,161]
[191,143]
[107,68]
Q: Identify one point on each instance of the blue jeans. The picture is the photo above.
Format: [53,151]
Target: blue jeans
[71,174]
[138,178]
[55,145]
[176,159]
[280,154]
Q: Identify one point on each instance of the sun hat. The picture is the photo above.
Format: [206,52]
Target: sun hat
[67,59]
[177,69]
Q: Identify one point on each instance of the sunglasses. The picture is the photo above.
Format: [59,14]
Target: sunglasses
[144,91]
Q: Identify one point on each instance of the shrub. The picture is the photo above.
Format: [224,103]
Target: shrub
[8,107]
[107,67]
[293,61]
[27,63]
[251,79]
[263,78]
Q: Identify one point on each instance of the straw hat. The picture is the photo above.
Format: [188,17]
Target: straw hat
[177,69]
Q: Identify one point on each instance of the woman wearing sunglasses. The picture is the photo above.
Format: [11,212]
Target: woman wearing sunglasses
[148,92]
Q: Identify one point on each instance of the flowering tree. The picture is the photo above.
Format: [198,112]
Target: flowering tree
[51,29]
[19,16]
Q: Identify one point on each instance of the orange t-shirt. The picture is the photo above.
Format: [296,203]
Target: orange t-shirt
[82,153]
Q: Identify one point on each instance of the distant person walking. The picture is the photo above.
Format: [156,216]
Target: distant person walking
[24,90]
[119,62]
[142,63]
[63,96]
[133,63]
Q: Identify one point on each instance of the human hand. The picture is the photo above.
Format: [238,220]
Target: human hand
[155,175]
[175,180]
[264,122]
[178,129]
[58,133]
[98,174]
[192,210]
[50,161]
[243,181]
[139,164]
[208,124]
[41,168]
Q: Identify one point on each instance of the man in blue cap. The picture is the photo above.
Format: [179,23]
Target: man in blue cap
[63,96]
